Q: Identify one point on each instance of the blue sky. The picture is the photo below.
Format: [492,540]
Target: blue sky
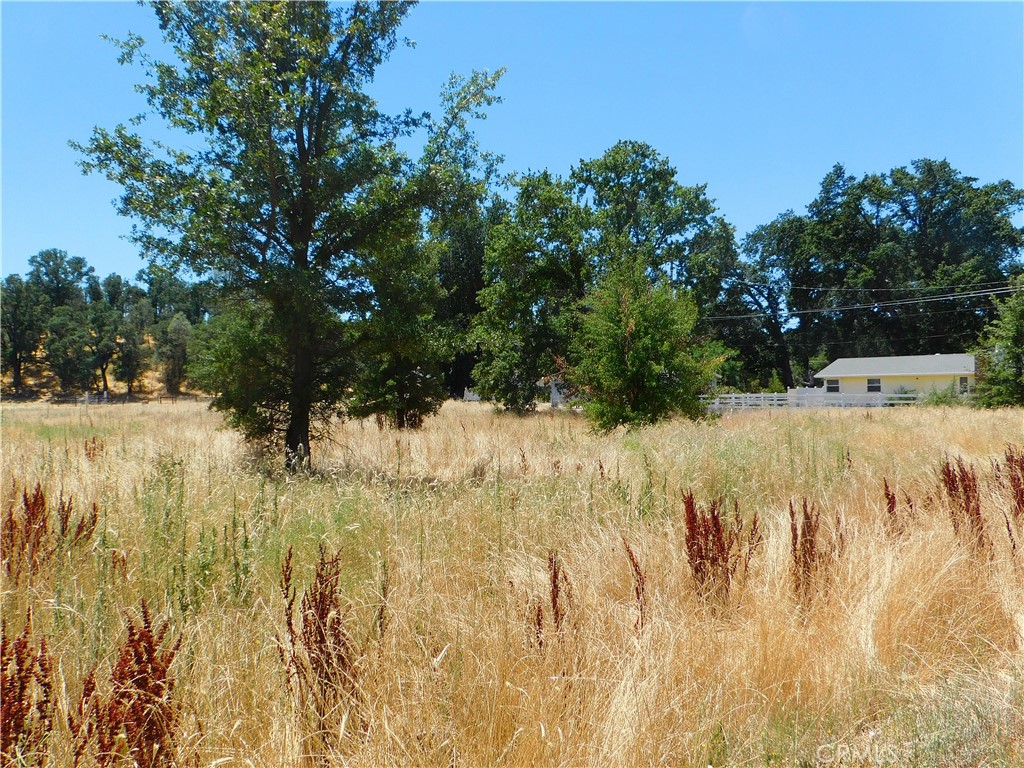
[756,100]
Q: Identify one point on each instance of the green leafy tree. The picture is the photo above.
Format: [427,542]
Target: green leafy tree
[23,312]
[773,254]
[293,183]
[236,357]
[400,344]
[133,351]
[60,277]
[847,278]
[62,280]
[536,271]
[640,210]
[67,347]
[921,232]
[173,352]
[1000,358]
[637,360]
[105,311]
[168,294]
[225,352]
[398,375]
[563,235]
[461,217]
[459,240]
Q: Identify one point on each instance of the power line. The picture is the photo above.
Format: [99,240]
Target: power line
[814,347]
[794,342]
[1000,283]
[878,304]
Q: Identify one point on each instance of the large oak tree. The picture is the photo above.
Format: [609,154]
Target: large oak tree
[288,191]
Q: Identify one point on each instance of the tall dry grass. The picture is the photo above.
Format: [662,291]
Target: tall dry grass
[495,590]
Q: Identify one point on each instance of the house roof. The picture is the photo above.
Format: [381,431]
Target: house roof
[905,365]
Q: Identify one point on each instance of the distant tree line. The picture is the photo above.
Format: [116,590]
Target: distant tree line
[84,331]
[335,274]
[916,252]
[550,281]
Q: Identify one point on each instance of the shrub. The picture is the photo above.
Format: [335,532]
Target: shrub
[638,361]
[947,397]
[1000,358]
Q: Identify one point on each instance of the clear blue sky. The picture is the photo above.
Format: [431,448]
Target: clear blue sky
[757,100]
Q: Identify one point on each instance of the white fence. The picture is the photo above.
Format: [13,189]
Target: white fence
[809,399]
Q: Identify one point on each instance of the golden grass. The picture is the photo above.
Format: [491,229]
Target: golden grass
[912,645]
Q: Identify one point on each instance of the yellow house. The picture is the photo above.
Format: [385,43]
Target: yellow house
[918,374]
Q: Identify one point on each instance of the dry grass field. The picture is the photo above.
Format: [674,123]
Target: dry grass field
[501,591]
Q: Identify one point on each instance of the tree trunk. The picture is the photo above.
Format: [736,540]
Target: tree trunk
[783,358]
[296,438]
[16,374]
[406,418]
[785,365]
[103,373]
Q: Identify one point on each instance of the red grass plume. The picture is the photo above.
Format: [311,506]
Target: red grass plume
[639,587]
[718,547]
[561,590]
[1015,471]
[30,538]
[896,521]
[815,553]
[960,482]
[27,703]
[560,596]
[94,449]
[137,722]
[321,658]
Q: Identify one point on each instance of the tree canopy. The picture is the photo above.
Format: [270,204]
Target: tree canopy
[297,194]
[896,263]
[563,236]
[24,308]
[1000,354]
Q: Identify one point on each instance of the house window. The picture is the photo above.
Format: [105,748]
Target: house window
[874,385]
[963,385]
[831,385]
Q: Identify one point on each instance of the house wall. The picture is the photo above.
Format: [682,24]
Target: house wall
[854,385]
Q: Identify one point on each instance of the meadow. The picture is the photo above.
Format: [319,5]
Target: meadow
[777,588]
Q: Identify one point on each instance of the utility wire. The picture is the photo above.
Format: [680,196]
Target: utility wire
[795,342]
[1000,283]
[878,304]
